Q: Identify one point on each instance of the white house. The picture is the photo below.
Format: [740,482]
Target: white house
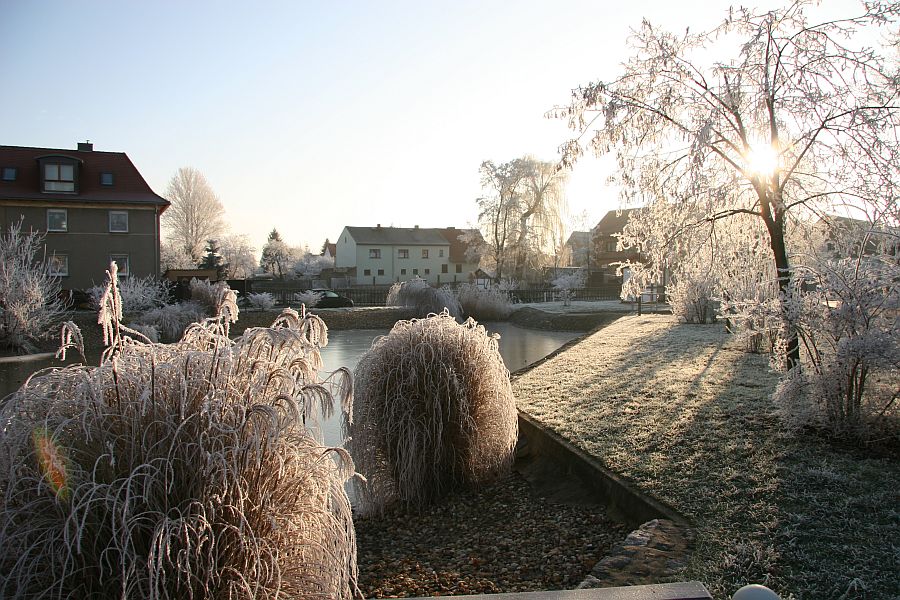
[384,255]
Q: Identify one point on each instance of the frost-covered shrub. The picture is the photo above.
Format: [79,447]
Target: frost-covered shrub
[423,299]
[137,293]
[691,296]
[567,284]
[263,301]
[177,471]
[30,306]
[208,295]
[850,335]
[171,320]
[484,304]
[433,411]
[308,298]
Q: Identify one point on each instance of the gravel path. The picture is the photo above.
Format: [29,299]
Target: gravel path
[503,538]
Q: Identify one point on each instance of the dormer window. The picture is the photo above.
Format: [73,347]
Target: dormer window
[59,177]
[106,178]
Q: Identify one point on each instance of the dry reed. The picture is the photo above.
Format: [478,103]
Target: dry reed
[433,411]
[178,471]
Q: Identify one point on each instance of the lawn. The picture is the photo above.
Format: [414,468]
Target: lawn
[686,415]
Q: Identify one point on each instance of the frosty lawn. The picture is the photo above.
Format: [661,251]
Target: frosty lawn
[689,419]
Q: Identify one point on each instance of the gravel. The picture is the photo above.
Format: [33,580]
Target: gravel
[501,538]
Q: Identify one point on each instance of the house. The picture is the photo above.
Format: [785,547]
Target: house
[577,251]
[384,255]
[94,207]
[604,256]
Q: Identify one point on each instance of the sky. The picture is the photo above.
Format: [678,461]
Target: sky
[309,116]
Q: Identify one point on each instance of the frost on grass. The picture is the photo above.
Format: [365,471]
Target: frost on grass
[433,412]
[178,471]
[484,304]
[687,415]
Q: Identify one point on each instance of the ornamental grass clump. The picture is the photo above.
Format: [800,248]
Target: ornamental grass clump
[433,412]
[423,299]
[177,471]
[485,304]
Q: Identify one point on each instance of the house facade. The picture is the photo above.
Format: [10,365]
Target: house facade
[385,255]
[604,240]
[93,206]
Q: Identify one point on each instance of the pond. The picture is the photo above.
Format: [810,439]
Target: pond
[518,346]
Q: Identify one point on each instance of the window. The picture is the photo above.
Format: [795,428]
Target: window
[59,177]
[374,252]
[367,272]
[444,268]
[9,173]
[403,271]
[428,271]
[121,261]
[106,178]
[611,246]
[415,271]
[441,253]
[380,272]
[118,221]
[403,253]
[59,265]
[57,219]
[424,252]
[459,268]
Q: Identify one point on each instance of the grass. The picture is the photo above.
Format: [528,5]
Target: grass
[685,414]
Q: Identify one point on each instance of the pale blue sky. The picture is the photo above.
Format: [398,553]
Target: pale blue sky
[308,116]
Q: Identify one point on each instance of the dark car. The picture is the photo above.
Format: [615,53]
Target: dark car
[331,299]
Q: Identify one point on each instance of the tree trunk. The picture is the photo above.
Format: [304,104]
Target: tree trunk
[775,227]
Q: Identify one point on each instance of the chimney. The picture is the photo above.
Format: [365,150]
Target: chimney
[415,226]
[85,146]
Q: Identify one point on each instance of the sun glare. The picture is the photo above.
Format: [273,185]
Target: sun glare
[762,159]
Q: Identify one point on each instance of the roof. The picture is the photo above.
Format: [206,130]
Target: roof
[413,236]
[129,186]
[613,221]
[579,238]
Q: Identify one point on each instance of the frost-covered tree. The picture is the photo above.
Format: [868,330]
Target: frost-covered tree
[768,115]
[30,304]
[523,214]
[196,213]
[312,265]
[239,256]
[277,257]
[212,259]
[173,256]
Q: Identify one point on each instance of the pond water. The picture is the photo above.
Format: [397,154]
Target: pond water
[519,347]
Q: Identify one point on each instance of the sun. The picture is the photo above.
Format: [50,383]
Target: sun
[762,159]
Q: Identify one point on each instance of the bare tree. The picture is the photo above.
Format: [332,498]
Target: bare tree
[498,211]
[196,213]
[542,211]
[522,215]
[792,118]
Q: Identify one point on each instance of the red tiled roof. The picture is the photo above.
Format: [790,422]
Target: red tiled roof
[129,187]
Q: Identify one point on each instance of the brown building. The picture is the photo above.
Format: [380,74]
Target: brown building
[94,206]
[604,239]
